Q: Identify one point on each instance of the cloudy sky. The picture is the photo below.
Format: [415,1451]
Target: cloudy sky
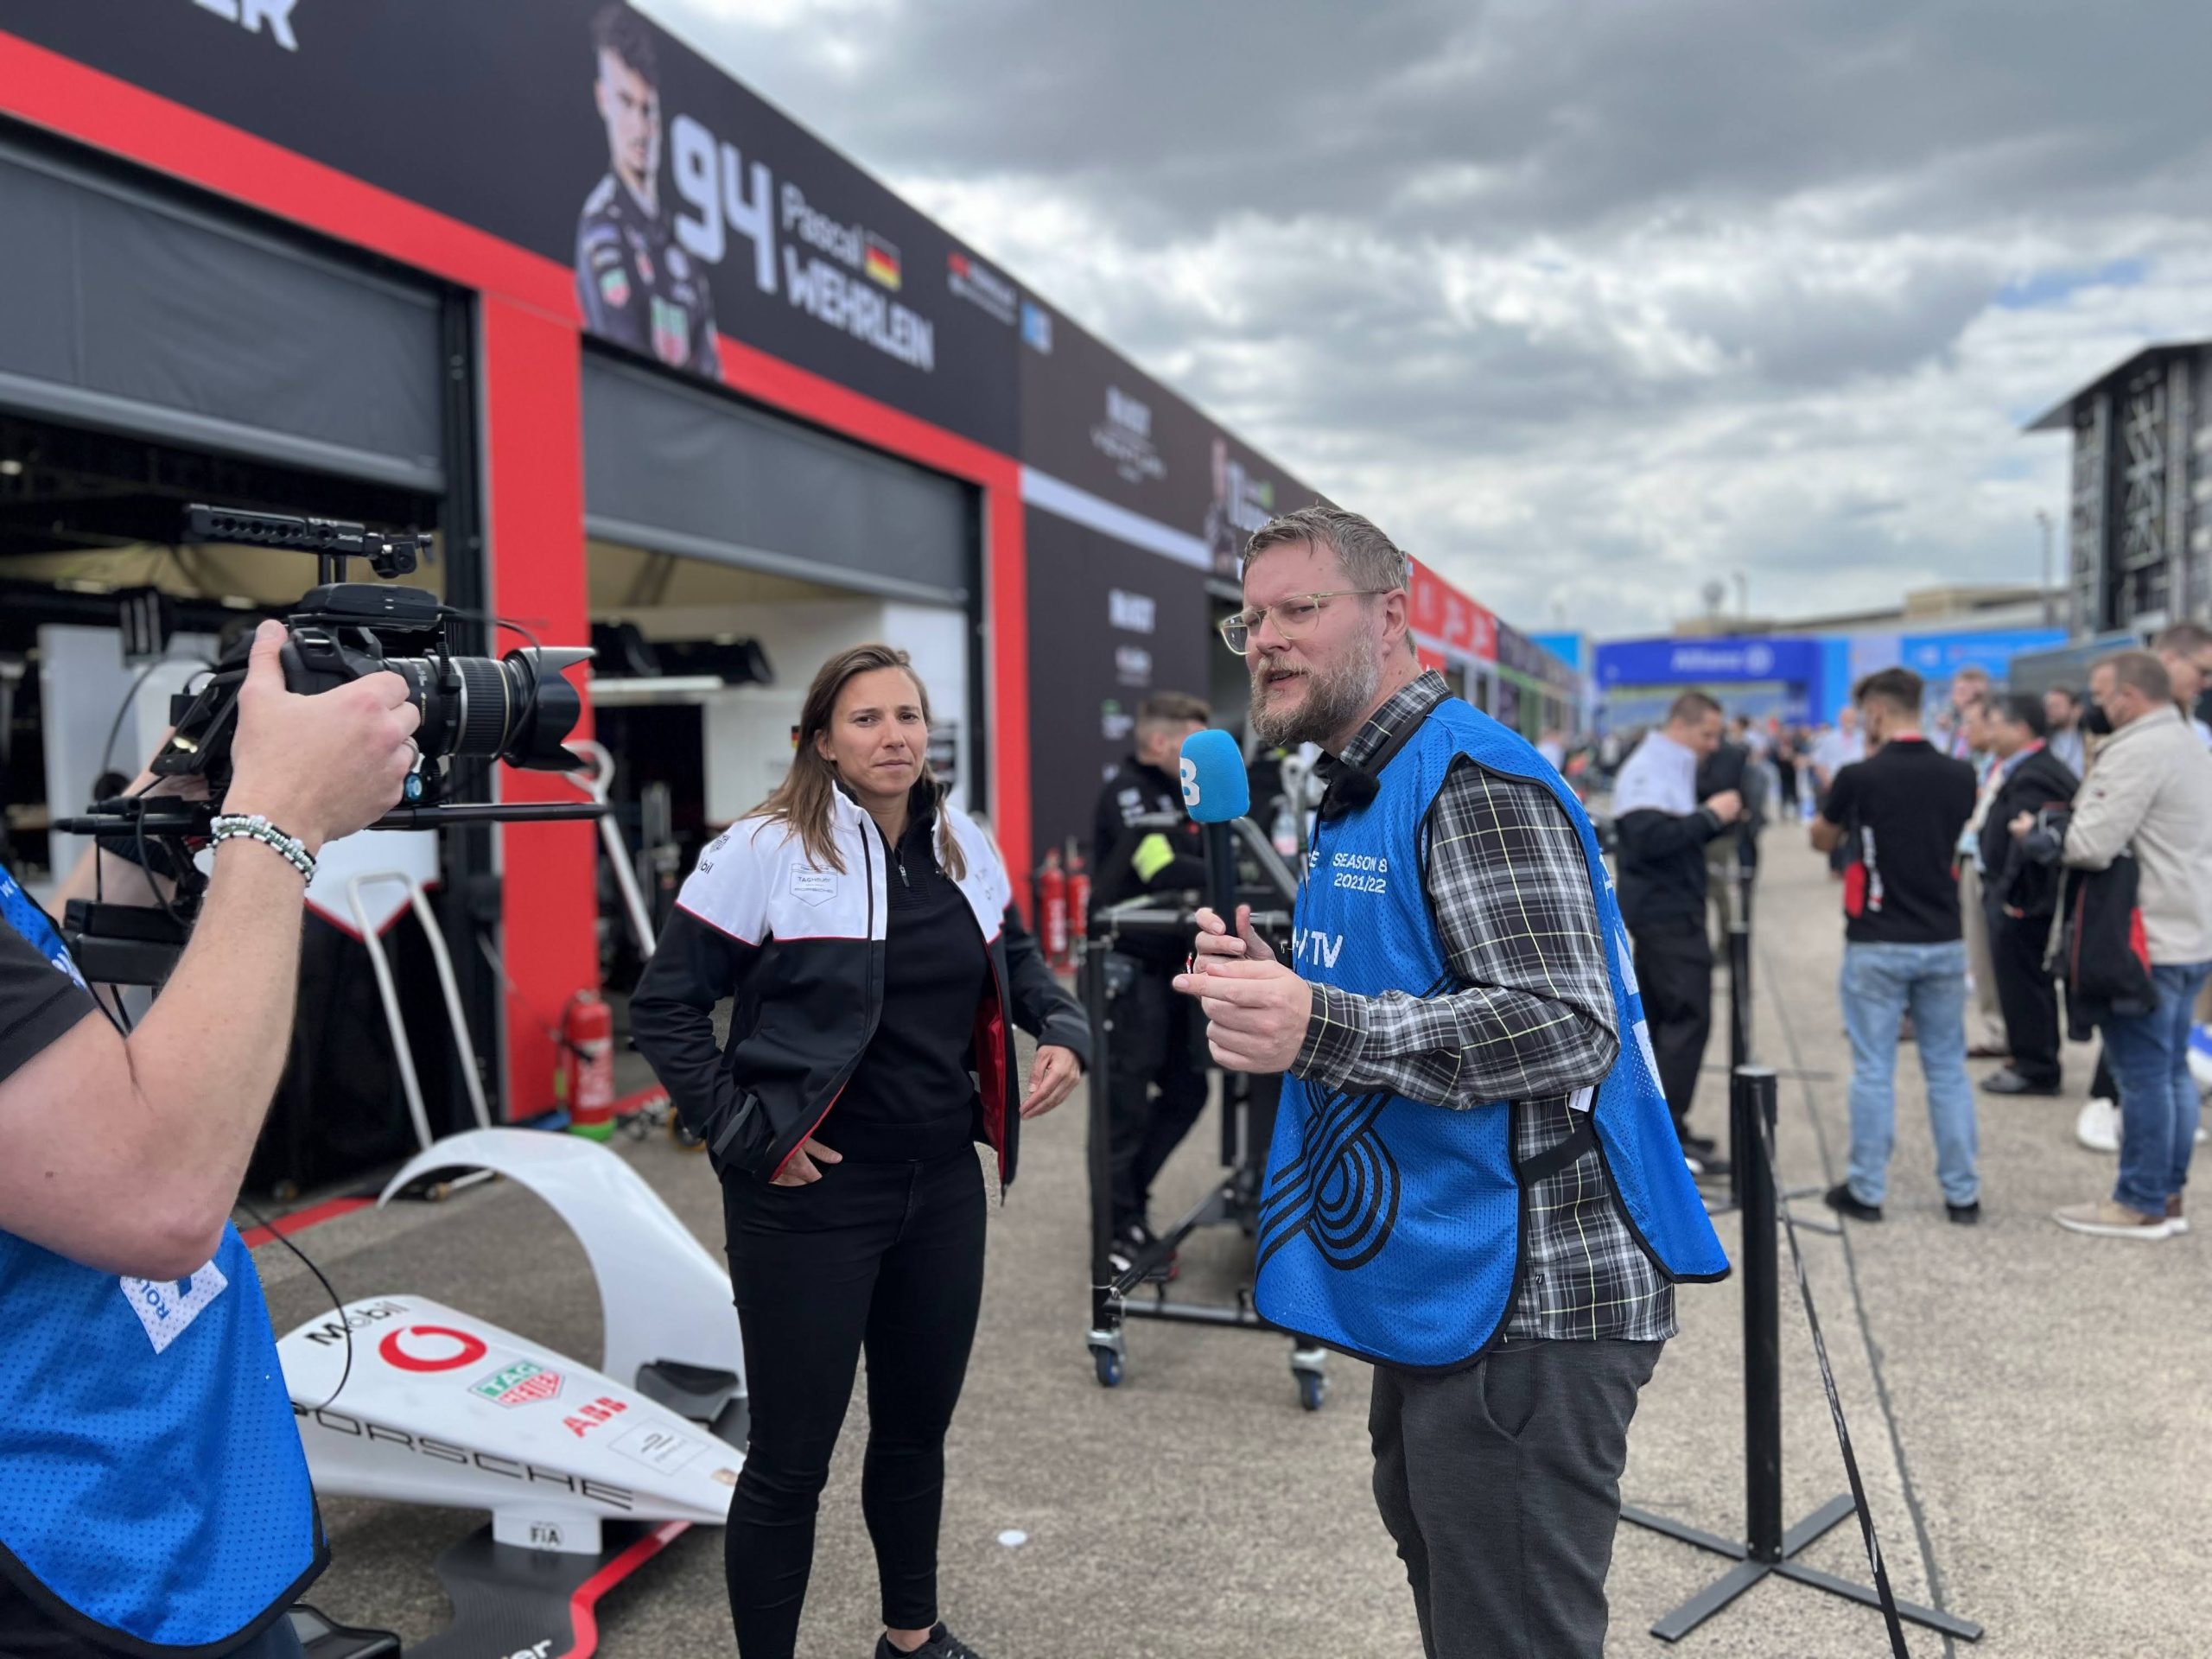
[1588,301]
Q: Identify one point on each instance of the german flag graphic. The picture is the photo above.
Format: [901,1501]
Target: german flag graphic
[882,262]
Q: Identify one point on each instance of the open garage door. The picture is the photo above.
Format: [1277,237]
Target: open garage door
[680,470]
[132,311]
[732,553]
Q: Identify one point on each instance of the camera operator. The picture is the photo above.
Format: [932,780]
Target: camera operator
[154,1496]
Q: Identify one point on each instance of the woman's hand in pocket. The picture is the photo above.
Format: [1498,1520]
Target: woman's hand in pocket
[804,1167]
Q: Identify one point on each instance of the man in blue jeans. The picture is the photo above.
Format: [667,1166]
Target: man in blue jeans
[2150,790]
[1897,815]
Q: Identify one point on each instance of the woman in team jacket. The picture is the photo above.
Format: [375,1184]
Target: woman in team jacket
[865,929]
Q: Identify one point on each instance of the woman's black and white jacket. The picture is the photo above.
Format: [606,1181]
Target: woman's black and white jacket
[800,949]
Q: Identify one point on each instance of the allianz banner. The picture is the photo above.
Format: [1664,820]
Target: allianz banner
[687,205]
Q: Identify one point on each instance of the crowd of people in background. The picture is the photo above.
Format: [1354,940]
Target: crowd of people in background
[2014,868]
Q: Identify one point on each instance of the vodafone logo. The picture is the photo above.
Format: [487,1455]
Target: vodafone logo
[430,1348]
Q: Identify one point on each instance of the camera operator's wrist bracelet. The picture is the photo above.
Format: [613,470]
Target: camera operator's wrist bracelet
[254,827]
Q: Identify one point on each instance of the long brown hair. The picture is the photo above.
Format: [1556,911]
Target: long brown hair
[802,801]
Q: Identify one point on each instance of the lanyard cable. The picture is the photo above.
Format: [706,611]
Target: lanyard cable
[345,1324]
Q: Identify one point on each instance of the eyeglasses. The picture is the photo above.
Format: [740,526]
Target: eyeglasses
[1295,617]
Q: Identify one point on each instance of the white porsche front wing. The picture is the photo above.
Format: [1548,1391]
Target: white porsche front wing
[444,1408]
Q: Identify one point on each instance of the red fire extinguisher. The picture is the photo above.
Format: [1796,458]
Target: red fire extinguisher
[1053,911]
[586,1070]
[1078,899]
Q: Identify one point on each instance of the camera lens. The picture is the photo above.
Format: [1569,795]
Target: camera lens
[484,707]
[512,709]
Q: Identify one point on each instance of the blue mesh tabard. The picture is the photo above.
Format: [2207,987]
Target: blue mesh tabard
[152,1478]
[1390,1227]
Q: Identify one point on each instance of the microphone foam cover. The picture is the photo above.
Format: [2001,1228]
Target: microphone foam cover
[1215,788]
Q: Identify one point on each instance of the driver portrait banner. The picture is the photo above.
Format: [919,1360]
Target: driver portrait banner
[688,208]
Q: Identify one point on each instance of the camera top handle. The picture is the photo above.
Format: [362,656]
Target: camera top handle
[334,541]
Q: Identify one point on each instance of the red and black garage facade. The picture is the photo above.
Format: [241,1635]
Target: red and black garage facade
[344,238]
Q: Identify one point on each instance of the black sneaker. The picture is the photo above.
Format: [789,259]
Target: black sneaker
[942,1644]
[1964,1215]
[1840,1200]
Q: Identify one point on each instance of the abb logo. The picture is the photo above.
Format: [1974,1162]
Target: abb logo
[588,1417]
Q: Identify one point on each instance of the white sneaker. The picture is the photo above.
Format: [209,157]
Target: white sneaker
[2098,1126]
[2107,1218]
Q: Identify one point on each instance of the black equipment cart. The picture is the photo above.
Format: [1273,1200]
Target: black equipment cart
[1248,1116]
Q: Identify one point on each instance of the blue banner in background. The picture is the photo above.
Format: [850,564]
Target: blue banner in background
[1707,661]
[1941,656]
[1570,648]
[1805,678]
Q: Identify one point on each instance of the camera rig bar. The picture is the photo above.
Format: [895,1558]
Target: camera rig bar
[191,821]
[334,541]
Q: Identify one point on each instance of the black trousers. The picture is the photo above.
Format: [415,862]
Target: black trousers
[1156,1038]
[2027,994]
[885,1258]
[1674,969]
[1501,1486]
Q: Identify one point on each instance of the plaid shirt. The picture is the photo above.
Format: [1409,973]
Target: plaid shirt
[1510,891]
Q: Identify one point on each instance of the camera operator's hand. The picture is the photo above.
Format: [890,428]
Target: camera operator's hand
[322,767]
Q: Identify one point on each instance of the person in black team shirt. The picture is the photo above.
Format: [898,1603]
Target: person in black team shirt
[1144,843]
[865,927]
[1662,829]
[2018,895]
[1899,814]
[636,285]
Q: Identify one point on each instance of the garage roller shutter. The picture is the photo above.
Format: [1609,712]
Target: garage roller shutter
[126,311]
[689,471]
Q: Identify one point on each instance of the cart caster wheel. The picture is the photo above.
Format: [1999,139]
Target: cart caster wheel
[1108,1366]
[1312,1389]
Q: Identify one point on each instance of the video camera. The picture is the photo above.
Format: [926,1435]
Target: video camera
[517,709]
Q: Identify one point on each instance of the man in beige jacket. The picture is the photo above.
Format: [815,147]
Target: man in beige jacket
[2151,792]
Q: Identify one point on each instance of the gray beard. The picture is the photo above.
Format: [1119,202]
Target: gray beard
[1333,701]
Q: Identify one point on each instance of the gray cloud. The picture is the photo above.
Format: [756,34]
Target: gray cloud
[1589,299]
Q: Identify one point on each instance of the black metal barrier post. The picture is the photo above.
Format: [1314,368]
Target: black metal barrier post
[1108,1348]
[1769,1549]
[1741,869]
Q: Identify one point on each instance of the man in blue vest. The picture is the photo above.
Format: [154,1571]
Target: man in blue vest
[154,1497]
[1474,1183]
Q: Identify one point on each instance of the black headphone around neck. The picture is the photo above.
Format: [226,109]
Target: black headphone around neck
[1354,786]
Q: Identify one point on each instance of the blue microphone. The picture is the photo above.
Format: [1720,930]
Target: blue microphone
[1216,793]
[1215,787]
